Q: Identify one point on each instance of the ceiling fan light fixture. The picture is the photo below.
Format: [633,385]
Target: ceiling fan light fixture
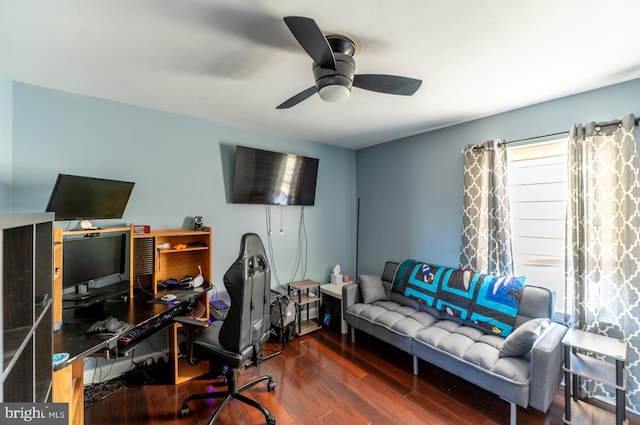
[334,93]
[334,67]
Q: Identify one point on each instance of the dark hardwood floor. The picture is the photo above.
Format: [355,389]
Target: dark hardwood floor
[322,378]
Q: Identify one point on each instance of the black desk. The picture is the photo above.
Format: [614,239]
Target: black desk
[68,377]
[73,339]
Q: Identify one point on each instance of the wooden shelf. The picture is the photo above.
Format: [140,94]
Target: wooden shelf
[170,233]
[193,248]
[596,369]
[583,413]
[306,299]
[307,326]
[181,370]
[304,284]
[94,231]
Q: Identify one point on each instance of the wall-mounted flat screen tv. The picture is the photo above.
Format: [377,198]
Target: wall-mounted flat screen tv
[265,177]
[87,198]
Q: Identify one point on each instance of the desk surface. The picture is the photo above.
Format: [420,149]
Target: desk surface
[73,339]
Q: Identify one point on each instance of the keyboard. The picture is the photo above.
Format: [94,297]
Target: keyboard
[151,325]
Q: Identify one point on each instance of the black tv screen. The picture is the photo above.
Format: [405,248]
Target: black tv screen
[265,177]
[86,198]
[92,258]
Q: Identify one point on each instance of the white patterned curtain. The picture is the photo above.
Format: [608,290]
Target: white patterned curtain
[603,240]
[486,228]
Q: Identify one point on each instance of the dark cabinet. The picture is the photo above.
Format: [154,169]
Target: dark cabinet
[26,280]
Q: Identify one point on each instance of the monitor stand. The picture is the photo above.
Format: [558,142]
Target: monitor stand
[95,295]
[82,292]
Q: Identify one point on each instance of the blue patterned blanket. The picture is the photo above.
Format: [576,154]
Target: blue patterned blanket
[486,301]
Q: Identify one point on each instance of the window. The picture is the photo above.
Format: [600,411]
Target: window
[538,194]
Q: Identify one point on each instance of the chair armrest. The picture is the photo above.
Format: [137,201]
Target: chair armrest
[546,367]
[190,321]
[190,326]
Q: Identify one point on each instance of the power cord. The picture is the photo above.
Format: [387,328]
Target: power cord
[300,260]
[274,272]
[302,245]
[137,278]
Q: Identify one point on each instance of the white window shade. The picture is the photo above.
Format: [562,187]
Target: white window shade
[538,193]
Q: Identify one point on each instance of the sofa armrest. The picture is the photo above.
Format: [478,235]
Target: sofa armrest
[546,367]
[350,296]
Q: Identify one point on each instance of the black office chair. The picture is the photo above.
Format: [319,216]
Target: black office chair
[238,339]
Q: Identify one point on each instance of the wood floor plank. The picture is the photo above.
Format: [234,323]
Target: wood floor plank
[322,378]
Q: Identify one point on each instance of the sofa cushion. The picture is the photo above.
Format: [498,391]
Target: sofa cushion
[471,346]
[371,288]
[522,339]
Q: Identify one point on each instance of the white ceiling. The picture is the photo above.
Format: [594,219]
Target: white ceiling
[234,61]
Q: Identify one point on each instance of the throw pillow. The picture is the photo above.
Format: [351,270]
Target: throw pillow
[371,288]
[522,339]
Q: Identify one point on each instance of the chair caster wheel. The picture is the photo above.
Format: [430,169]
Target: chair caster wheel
[271,385]
[271,420]
[184,411]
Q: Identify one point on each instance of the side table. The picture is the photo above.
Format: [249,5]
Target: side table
[579,361]
[304,293]
[334,290]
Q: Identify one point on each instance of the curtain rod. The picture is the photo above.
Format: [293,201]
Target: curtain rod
[561,133]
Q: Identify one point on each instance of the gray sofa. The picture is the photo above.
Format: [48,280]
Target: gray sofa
[520,375]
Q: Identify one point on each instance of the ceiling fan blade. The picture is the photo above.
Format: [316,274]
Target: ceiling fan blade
[391,84]
[293,101]
[312,40]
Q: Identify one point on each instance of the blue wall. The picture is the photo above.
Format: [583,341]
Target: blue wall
[181,166]
[6,114]
[410,190]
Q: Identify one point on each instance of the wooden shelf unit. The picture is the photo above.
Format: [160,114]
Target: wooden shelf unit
[303,297]
[173,263]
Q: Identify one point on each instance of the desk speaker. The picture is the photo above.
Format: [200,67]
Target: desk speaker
[143,258]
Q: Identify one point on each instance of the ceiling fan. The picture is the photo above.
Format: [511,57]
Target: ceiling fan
[334,67]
